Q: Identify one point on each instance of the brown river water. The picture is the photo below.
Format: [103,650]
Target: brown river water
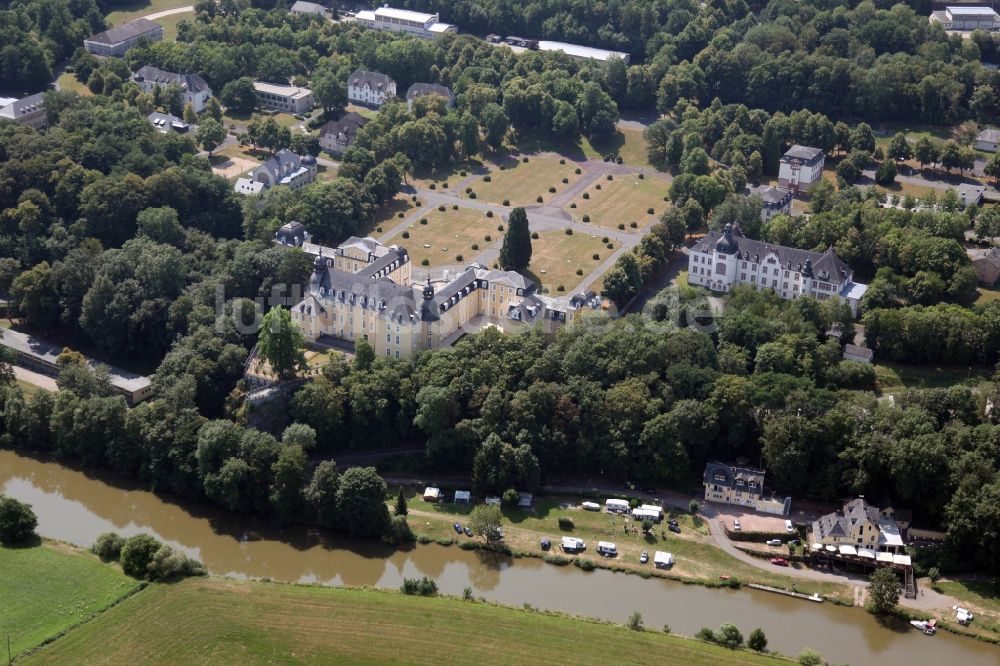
[75,506]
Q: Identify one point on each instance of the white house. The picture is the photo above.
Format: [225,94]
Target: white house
[722,261]
[28,110]
[370,88]
[290,99]
[970,194]
[285,168]
[427,26]
[775,200]
[193,87]
[966,18]
[988,140]
[800,167]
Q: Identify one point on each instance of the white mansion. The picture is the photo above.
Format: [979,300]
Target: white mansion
[720,261]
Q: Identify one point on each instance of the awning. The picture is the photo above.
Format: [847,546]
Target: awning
[902,559]
[866,552]
[848,550]
[883,557]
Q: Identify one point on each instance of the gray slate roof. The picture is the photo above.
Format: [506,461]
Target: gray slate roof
[826,266]
[990,135]
[303,7]
[125,32]
[732,473]
[372,79]
[420,89]
[24,106]
[804,153]
[192,83]
[348,125]
[771,196]
[861,352]
[990,256]
[839,524]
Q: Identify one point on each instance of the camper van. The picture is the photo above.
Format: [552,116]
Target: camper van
[616,506]
[607,549]
[573,545]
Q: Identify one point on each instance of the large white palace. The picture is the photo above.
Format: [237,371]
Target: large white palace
[363,289]
[721,260]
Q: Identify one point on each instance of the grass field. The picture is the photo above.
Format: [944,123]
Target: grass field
[521,182]
[440,178]
[67,81]
[896,376]
[131,10]
[447,235]
[697,556]
[556,257]
[169,24]
[627,143]
[387,215]
[212,621]
[47,589]
[624,200]
[985,295]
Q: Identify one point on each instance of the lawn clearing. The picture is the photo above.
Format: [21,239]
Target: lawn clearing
[443,180]
[629,144]
[985,295]
[447,235]
[522,182]
[211,621]
[169,24]
[133,9]
[67,81]
[49,588]
[894,377]
[326,173]
[556,257]
[625,200]
[387,215]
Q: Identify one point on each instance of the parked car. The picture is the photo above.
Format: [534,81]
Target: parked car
[774,542]
[458,528]
[736,525]
[779,562]
[789,527]
[672,521]
[468,531]
[644,557]
[674,527]
[546,544]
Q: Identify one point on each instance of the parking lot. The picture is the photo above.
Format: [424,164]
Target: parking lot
[750,521]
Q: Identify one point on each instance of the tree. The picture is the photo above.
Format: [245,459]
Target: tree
[693,507]
[161,225]
[515,254]
[862,138]
[364,355]
[925,152]
[400,508]
[17,521]
[210,134]
[290,475]
[810,657]
[992,167]
[729,636]
[280,342]
[108,546]
[299,434]
[361,508]
[321,493]
[634,621]
[137,553]
[885,175]
[757,640]
[239,96]
[495,124]
[883,591]
[899,147]
[190,117]
[330,91]
[485,520]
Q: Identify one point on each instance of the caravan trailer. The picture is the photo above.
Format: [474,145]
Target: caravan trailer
[616,506]
[607,549]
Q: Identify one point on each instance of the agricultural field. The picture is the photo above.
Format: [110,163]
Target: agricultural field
[622,201]
[448,234]
[522,182]
[211,621]
[50,588]
[556,257]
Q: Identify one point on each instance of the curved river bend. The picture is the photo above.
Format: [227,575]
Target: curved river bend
[76,507]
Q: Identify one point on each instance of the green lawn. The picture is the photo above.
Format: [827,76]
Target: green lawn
[47,589]
[985,295]
[67,81]
[521,183]
[135,8]
[169,24]
[556,257]
[448,235]
[212,621]
[897,376]
[624,201]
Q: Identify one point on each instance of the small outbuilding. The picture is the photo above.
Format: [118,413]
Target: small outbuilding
[432,494]
[988,140]
[463,497]
[858,353]
[662,560]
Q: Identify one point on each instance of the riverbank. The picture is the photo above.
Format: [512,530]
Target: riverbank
[216,620]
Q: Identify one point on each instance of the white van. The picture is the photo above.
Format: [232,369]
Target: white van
[572,544]
[789,527]
[607,549]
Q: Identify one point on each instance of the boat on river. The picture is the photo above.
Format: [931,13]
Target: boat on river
[929,627]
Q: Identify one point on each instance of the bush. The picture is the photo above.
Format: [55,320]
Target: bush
[573,205]
[433,186]
[610,246]
[108,546]
[641,176]
[442,208]
[605,239]
[502,167]
[475,246]
[425,262]
[729,636]
[534,235]
[444,541]
[621,226]
[560,288]
[649,211]
[596,256]
[17,521]
[565,180]
[467,594]
[538,199]
[489,213]
[488,238]
[445,184]
[406,234]
[551,189]
[423,220]
[468,189]
[461,173]
[586,195]
[634,621]
[524,159]
[810,657]
[610,177]
[934,574]
[579,271]
[454,206]
[577,171]
[566,523]
[424,539]
[705,634]
[634,225]
[510,497]
[693,506]
[472,195]
[562,161]
[168,564]
[557,560]
[413,199]
[586,218]
[136,554]
[585,564]
[499,227]
[757,640]
[459,258]
[569,231]
[597,187]
[487,178]
[506,202]
[424,587]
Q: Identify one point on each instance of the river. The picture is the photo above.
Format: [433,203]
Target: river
[74,506]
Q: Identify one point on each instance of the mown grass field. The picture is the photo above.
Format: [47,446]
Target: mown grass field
[896,376]
[169,24]
[215,621]
[697,557]
[448,234]
[46,589]
[136,8]
[522,182]
[67,81]
[556,257]
[624,200]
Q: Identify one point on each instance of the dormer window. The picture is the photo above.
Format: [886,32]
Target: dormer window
[740,483]
[720,477]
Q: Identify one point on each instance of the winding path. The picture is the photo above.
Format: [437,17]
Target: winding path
[167,12]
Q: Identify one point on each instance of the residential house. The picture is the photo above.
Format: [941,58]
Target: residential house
[857,353]
[363,290]
[285,168]
[776,201]
[167,123]
[290,99]
[293,234]
[303,7]
[860,525]
[420,89]
[966,18]
[969,194]
[721,261]
[193,88]
[800,167]
[427,26]
[337,136]
[28,111]
[988,140]
[986,264]
[370,88]
[731,484]
[116,41]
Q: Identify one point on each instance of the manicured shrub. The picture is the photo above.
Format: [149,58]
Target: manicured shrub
[454,206]
[577,171]
[634,225]
[441,208]
[475,246]
[565,180]
[488,238]
[524,159]
[610,246]
[598,186]
[468,189]
[425,262]
[472,195]
[586,195]
[573,205]
[506,202]
[502,167]
[406,234]
[642,176]
[433,186]
[610,177]
[562,161]
[459,258]
[649,211]
[538,199]
[499,227]
[534,235]
[489,213]
[551,189]
[569,231]
[579,271]
[445,184]
[487,178]
[560,288]
[413,198]
[605,239]
[667,199]
[586,218]
[462,172]
[423,220]
[108,546]
[596,257]
[621,226]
